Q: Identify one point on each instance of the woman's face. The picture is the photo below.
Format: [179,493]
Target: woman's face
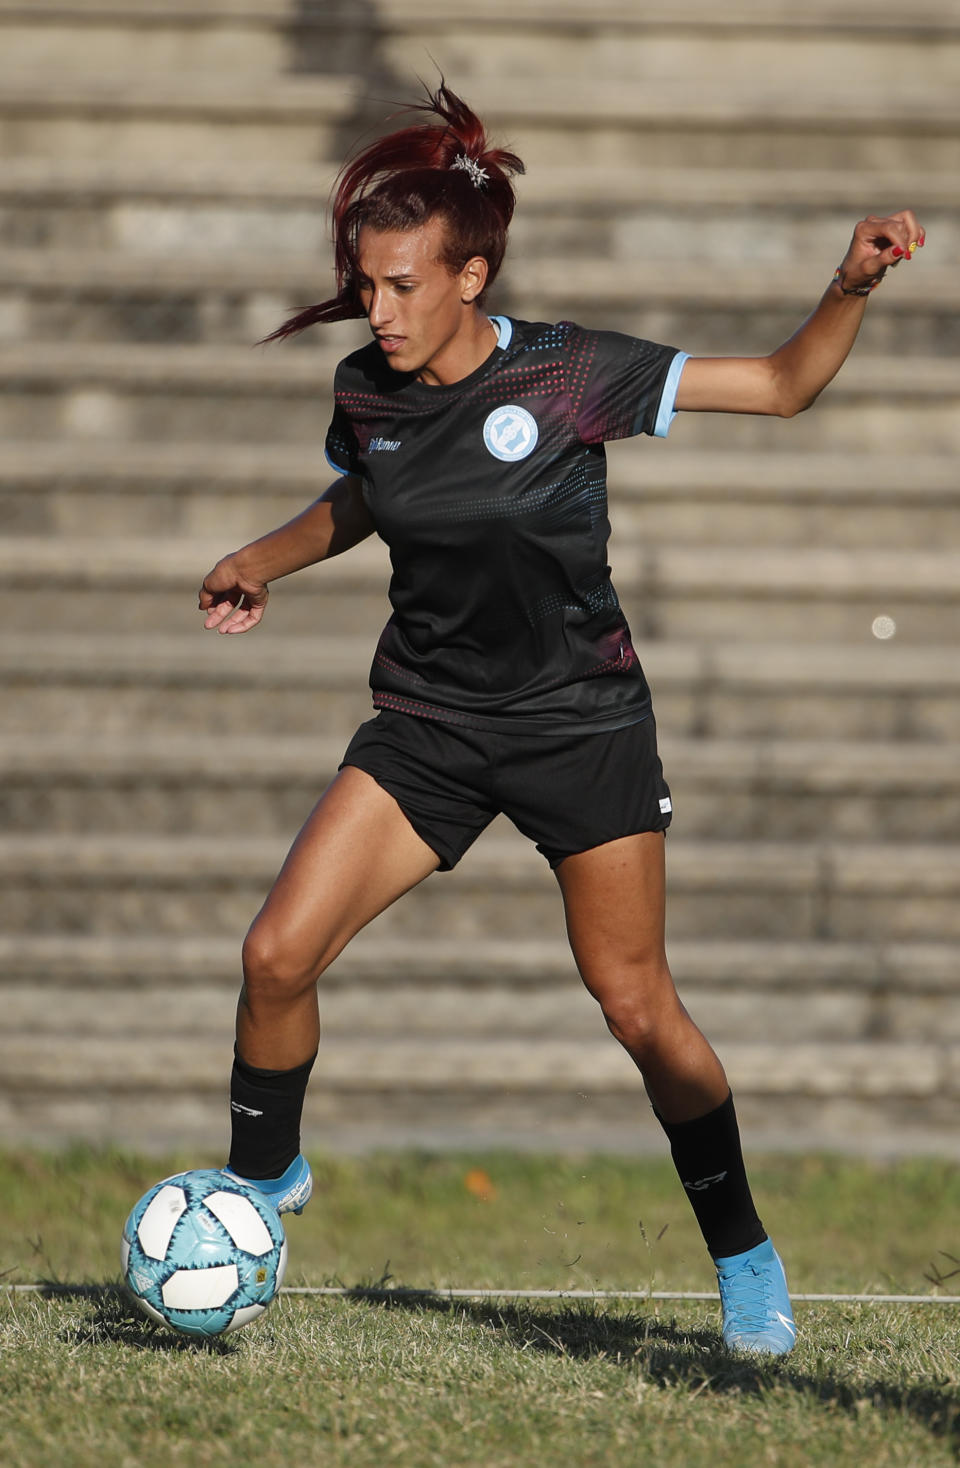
[421,313]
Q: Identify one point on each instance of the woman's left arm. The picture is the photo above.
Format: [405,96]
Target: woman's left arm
[792,377]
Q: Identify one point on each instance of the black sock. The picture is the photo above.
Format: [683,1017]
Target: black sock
[265,1111]
[707,1155]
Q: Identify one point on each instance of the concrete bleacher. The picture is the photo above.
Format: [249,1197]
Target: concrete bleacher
[694,178]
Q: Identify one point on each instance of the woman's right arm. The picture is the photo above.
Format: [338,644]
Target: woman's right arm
[234,594]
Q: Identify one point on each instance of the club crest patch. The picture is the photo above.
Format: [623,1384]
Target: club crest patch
[510,433]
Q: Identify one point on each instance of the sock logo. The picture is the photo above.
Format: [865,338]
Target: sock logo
[702,1183]
[246,1110]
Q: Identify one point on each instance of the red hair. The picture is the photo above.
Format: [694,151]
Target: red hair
[409,177]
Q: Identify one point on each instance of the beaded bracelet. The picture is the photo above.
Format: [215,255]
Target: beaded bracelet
[856,290]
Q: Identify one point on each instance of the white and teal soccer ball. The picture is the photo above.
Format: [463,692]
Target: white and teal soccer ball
[203,1253]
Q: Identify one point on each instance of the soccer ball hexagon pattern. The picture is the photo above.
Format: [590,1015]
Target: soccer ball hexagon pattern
[203,1253]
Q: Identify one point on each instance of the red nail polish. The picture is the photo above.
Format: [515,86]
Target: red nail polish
[897,252]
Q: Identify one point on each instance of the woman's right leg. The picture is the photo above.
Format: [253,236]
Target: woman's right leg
[356,854]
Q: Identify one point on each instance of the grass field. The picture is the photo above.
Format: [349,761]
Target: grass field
[434,1382]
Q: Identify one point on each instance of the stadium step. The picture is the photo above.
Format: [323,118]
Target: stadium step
[221,297]
[677,498]
[765,217]
[577,1118]
[897,974]
[265,785]
[851,500]
[81,390]
[874,1042]
[715,307]
[393,988]
[132,584]
[401,1004]
[845,891]
[669,593]
[174,1063]
[121,684]
[760,123]
[145,116]
[688,42]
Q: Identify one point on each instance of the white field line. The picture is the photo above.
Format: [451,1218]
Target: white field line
[439,1294]
[372,1293]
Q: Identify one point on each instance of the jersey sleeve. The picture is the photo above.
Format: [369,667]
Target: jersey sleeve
[341,446]
[621,385]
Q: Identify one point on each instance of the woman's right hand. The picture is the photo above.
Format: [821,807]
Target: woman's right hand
[232,601]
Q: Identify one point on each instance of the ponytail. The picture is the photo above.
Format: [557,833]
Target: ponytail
[399,182]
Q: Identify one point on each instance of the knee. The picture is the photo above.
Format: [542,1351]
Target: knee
[644,1017]
[634,1027]
[273,966]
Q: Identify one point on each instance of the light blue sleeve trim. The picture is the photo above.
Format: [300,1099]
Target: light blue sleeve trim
[334,465]
[667,412]
[504,330]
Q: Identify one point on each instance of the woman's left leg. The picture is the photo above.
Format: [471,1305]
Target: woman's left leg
[614,899]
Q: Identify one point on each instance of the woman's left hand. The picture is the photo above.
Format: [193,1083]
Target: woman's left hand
[791,378]
[878,244]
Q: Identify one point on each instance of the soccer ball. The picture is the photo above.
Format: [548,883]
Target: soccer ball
[203,1253]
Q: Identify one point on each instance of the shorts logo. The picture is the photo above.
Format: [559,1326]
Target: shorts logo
[510,433]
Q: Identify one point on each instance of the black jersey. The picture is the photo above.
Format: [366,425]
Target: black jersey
[491,495]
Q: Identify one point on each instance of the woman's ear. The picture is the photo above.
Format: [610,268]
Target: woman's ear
[473,278]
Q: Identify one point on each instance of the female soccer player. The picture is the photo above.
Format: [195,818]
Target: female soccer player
[506,679]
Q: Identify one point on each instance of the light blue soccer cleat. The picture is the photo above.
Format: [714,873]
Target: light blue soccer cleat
[288,1193]
[757,1315]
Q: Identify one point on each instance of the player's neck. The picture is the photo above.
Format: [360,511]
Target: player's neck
[463,354]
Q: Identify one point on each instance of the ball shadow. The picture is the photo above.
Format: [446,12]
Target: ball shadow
[113,1318]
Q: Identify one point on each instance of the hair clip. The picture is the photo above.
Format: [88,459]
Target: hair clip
[478,175]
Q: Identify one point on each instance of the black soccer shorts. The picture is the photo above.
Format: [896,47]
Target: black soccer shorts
[568,793]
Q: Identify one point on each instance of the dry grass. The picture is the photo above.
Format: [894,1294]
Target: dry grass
[424,1382]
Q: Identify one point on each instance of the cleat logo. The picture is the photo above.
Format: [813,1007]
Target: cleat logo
[701,1185]
[785,1320]
[244,1110]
